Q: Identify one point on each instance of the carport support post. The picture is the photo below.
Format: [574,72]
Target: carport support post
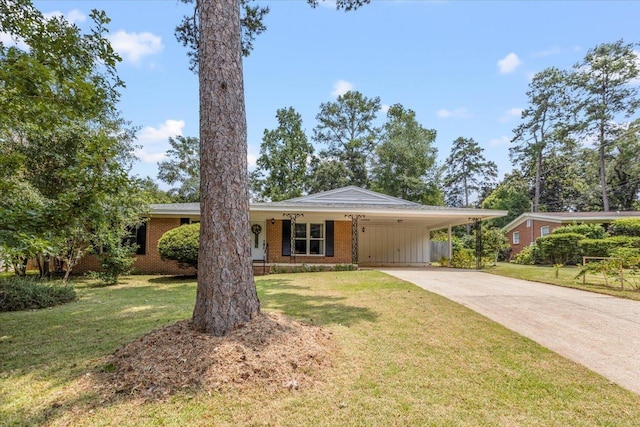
[354,237]
[450,246]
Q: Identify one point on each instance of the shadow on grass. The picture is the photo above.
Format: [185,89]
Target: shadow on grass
[298,302]
[170,280]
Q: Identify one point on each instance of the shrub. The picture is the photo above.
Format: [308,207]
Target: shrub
[181,244]
[605,247]
[116,259]
[590,231]
[626,227]
[464,258]
[560,248]
[527,256]
[30,292]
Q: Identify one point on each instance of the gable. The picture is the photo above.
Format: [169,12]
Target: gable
[350,195]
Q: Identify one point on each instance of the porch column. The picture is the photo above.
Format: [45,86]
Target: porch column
[354,237]
[450,245]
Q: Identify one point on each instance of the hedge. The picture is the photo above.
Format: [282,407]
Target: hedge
[181,244]
[560,248]
[626,227]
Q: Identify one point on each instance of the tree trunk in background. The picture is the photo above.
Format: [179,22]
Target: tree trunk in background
[226,294]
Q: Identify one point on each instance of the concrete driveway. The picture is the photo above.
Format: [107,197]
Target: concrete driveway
[598,331]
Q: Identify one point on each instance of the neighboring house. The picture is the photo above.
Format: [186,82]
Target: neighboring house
[348,225]
[525,229]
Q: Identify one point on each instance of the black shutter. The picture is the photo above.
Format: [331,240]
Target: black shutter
[141,239]
[184,221]
[286,237]
[329,239]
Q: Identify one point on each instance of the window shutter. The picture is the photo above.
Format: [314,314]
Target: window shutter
[329,238]
[141,239]
[286,237]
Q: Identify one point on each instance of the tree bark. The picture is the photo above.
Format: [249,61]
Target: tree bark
[603,171]
[226,294]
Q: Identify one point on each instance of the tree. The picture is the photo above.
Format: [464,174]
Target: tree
[346,128]
[467,172]
[284,154]
[183,168]
[61,136]
[327,174]
[511,195]
[406,159]
[543,124]
[624,169]
[604,81]
[226,294]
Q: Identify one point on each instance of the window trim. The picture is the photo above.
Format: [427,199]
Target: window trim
[515,237]
[308,239]
[542,234]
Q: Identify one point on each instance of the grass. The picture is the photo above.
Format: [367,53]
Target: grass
[566,277]
[407,357]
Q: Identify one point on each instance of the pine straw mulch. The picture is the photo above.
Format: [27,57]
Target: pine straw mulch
[271,351]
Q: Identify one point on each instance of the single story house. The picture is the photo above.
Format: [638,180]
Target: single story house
[347,225]
[525,229]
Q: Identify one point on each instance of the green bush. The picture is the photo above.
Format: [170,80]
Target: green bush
[626,227]
[590,231]
[464,258]
[606,247]
[527,256]
[181,244]
[560,248]
[30,292]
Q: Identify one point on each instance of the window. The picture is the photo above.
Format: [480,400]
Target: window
[516,237]
[544,231]
[528,222]
[309,239]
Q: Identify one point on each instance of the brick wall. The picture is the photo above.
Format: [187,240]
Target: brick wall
[528,234]
[150,263]
[341,246]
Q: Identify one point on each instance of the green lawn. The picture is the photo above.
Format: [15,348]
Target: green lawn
[566,277]
[406,357]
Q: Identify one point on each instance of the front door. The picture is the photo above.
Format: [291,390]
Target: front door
[258,243]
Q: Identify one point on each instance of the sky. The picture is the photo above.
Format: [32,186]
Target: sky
[462,66]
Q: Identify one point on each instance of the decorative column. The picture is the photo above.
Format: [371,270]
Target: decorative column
[354,236]
[450,245]
[292,217]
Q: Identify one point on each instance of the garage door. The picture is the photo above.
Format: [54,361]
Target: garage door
[386,245]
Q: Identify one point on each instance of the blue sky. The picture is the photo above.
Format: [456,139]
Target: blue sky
[462,66]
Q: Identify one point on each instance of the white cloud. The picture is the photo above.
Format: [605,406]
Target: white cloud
[509,63]
[73,16]
[497,142]
[8,40]
[162,133]
[328,3]
[511,114]
[384,108]
[458,113]
[156,138]
[134,46]
[341,87]
[147,157]
[548,52]
[251,160]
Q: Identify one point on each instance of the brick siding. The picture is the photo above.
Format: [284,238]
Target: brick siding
[529,234]
[149,263]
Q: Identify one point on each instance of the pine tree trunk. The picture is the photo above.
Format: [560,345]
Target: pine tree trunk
[537,185]
[226,295]
[603,172]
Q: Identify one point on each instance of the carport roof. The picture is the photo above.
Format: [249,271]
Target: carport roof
[351,200]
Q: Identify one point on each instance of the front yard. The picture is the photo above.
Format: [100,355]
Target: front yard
[567,278]
[404,357]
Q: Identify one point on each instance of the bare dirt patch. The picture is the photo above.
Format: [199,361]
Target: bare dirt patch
[271,352]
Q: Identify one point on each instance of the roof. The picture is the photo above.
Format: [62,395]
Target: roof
[569,217]
[351,200]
